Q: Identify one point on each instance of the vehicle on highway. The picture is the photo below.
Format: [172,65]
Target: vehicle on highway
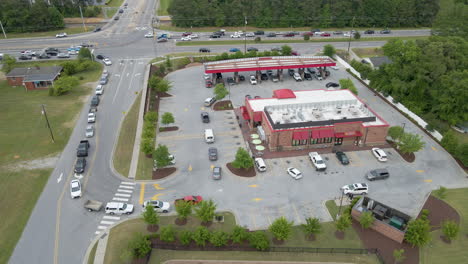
[126,4]
[252,49]
[231,81]
[259,32]
[61,35]
[341,156]
[28,52]
[192,36]
[186,34]
[253,80]
[216,173]
[377,174]
[91,117]
[315,30]
[271,35]
[297,77]
[294,173]
[347,34]
[250,34]
[99,90]
[308,76]
[332,84]
[185,38]
[95,100]
[80,165]
[161,40]
[385,31]
[209,136]
[213,153]
[208,83]
[100,57]
[289,34]
[355,189]
[63,55]
[325,34]
[113,208]
[310,34]
[43,56]
[379,154]
[193,199]
[107,61]
[149,35]
[89,131]
[236,36]
[25,57]
[338,33]
[93,205]
[369,31]
[159,206]
[215,36]
[205,117]
[116,18]
[121,11]
[234,50]
[203,50]
[97,29]
[82,150]
[75,188]
[103,80]
[209,101]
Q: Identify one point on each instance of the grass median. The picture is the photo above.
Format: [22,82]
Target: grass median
[52,33]
[368,52]
[163,6]
[124,149]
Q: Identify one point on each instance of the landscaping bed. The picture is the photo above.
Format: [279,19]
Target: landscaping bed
[223,105]
[241,172]
[167,129]
[408,157]
[163,173]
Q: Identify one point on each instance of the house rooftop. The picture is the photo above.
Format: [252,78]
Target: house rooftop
[32,74]
[379,61]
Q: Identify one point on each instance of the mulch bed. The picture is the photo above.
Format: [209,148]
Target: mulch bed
[164,94]
[177,245]
[241,172]
[311,237]
[180,222]
[223,105]
[163,173]
[408,157]
[167,129]
[439,211]
[207,224]
[339,235]
[152,228]
[277,242]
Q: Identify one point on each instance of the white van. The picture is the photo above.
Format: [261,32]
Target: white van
[209,136]
[260,164]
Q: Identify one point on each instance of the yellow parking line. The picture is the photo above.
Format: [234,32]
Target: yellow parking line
[156,196]
[420,171]
[157,187]
[257,199]
[253,185]
[434,149]
[142,193]
[427,180]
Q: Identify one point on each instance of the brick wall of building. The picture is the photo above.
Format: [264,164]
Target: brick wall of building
[15,81]
[383,228]
[376,135]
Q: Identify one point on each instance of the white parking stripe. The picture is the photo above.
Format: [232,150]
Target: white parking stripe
[125,191]
[126,187]
[123,195]
[106,222]
[128,183]
[111,217]
[102,227]
[119,199]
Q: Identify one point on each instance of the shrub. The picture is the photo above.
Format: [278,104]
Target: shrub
[140,246]
[167,233]
[239,234]
[161,156]
[410,143]
[450,229]
[150,216]
[418,232]
[450,142]
[343,223]
[220,91]
[462,153]
[64,84]
[206,211]
[398,255]
[395,132]
[148,132]
[183,209]
[243,160]
[69,67]
[258,39]
[151,117]
[259,240]
[286,50]
[312,226]
[366,220]
[281,228]
[167,118]
[424,214]
[185,237]
[146,145]
[306,37]
[441,193]
[219,238]
[201,235]
[329,50]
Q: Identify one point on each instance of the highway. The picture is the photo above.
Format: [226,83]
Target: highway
[59,229]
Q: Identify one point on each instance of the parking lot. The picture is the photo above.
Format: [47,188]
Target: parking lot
[257,201]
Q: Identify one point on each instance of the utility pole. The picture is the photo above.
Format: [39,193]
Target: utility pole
[82,19]
[48,124]
[350,35]
[245,35]
[341,203]
[1,25]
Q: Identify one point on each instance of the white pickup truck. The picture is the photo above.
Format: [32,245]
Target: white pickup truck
[317,161]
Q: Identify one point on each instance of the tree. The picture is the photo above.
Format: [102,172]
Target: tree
[449,141]
[69,67]
[168,63]
[343,223]
[306,37]
[183,209]
[146,145]
[410,143]
[357,35]
[398,255]
[312,226]
[140,246]
[259,240]
[418,232]
[185,237]
[366,220]
[329,50]
[348,84]
[219,238]
[220,91]
[441,193]
[243,160]
[450,229]
[395,132]
[206,211]
[159,84]
[150,216]
[167,234]
[151,117]
[239,234]
[462,153]
[64,84]
[281,228]
[8,63]
[201,235]
[161,156]
[84,54]
[167,118]
[286,50]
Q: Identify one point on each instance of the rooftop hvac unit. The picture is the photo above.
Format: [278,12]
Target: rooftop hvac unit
[317,115]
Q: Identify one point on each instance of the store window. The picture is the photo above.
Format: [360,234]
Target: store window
[338,141]
[296,142]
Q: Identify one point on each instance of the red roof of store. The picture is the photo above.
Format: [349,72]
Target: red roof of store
[283,94]
[268,63]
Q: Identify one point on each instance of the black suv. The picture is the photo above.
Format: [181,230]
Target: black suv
[252,49]
[369,31]
[307,76]
[205,117]
[95,101]
[264,77]
[204,50]
[259,32]
[231,81]
[291,72]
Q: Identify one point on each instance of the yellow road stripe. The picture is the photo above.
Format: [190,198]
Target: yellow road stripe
[156,196]
[257,199]
[142,193]
[420,171]
[157,187]
[254,186]
[433,148]
[427,180]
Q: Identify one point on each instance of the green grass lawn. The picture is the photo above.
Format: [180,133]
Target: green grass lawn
[114,3]
[23,137]
[163,6]
[438,251]
[144,168]
[110,12]
[69,31]
[334,209]
[368,52]
[124,149]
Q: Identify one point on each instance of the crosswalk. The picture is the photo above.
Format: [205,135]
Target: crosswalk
[123,194]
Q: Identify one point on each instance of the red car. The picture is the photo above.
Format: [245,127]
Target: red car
[325,35]
[289,34]
[186,34]
[295,53]
[208,84]
[193,199]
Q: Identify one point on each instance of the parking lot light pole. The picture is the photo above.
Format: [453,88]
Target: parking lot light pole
[245,35]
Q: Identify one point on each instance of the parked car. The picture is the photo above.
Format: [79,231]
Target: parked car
[205,117]
[93,205]
[204,50]
[252,49]
[149,35]
[377,174]
[231,81]
[193,199]
[253,80]
[248,97]
[91,117]
[80,165]
[341,156]
[379,154]
[99,90]
[308,76]
[82,149]
[234,50]
[369,31]
[61,35]
[75,188]
[275,78]
[241,78]
[89,131]
[335,68]
[209,101]
[113,208]
[107,61]
[295,53]
[291,72]
[332,84]
[208,83]
[217,173]
[159,206]
[355,189]
[295,173]
[116,18]
[100,57]
[213,153]
[264,77]
[297,77]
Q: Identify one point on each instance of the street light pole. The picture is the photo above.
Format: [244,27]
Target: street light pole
[245,35]
[350,35]
[47,121]
[404,127]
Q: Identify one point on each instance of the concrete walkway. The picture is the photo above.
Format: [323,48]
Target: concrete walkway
[101,249]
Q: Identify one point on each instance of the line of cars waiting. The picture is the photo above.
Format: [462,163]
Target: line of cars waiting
[52,52]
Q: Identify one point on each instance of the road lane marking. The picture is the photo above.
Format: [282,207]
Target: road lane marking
[156,196]
[253,185]
[119,199]
[118,86]
[126,187]
[142,193]
[59,179]
[102,227]
[257,199]
[131,79]
[157,187]
[124,191]
[123,195]
[433,148]
[111,217]
[427,180]
[106,222]
[420,171]
[190,168]
[128,183]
